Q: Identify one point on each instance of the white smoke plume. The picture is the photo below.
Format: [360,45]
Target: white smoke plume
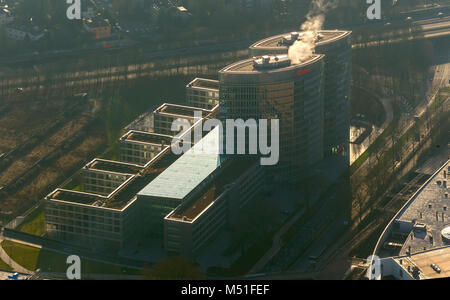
[314,22]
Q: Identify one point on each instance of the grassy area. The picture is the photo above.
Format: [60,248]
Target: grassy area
[408,135]
[34,223]
[119,112]
[5,219]
[33,258]
[375,145]
[125,108]
[75,183]
[24,255]
[361,159]
[4,266]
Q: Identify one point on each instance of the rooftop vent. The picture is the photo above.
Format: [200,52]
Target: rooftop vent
[294,36]
[290,39]
[445,233]
[319,37]
[420,227]
[271,62]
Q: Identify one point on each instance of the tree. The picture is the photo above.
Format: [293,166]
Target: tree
[359,199]
[4,41]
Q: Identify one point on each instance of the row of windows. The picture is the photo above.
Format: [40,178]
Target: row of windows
[127,146]
[141,154]
[56,207]
[99,189]
[197,93]
[133,159]
[104,176]
[104,183]
[63,215]
[83,223]
[60,231]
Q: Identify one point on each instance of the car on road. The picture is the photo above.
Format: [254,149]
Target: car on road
[440,14]
[435,268]
[19,90]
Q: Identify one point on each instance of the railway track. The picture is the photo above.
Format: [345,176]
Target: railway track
[27,146]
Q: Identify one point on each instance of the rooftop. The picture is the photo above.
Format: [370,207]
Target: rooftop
[76,197]
[213,190]
[184,175]
[147,137]
[113,166]
[279,41]
[128,191]
[203,83]
[429,212]
[424,260]
[179,110]
[275,63]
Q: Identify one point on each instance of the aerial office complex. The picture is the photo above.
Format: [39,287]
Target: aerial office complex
[140,147]
[203,93]
[272,87]
[416,243]
[193,197]
[184,201]
[166,114]
[102,215]
[104,176]
[336,45]
[98,220]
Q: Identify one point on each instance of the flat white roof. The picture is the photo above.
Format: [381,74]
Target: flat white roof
[190,170]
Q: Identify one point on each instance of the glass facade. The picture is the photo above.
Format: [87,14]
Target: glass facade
[337,48]
[297,101]
[337,97]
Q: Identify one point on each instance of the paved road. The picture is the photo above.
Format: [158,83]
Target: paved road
[430,28]
[335,228]
[356,150]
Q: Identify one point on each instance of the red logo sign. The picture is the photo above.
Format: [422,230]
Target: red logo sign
[304,72]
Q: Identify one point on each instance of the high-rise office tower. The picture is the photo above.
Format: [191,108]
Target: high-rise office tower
[272,87]
[336,45]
